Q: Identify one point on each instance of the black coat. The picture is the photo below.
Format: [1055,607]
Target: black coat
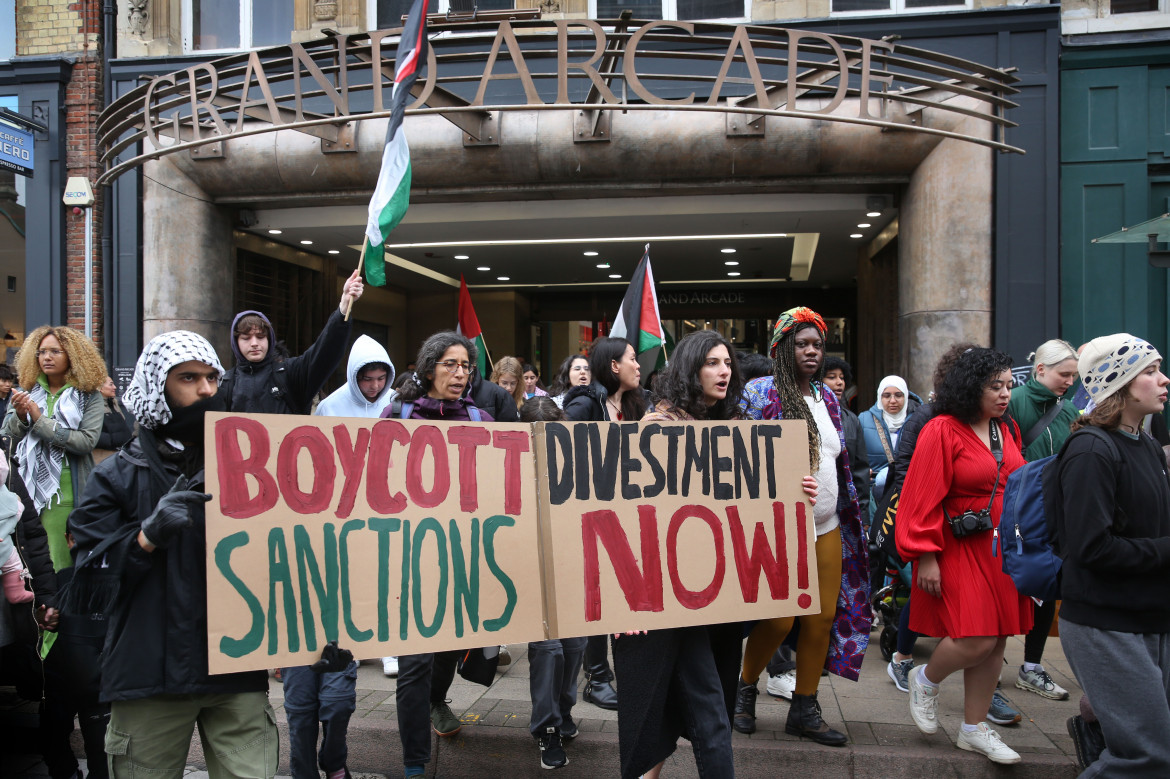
[157,638]
[287,385]
[586,403]
[34,546]
[494,399]
[117,428]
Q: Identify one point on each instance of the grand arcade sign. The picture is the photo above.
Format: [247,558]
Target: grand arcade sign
[478,69]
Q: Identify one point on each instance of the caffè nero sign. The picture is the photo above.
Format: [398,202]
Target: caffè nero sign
[477,69]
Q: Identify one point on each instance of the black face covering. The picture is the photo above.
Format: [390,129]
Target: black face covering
[186,423]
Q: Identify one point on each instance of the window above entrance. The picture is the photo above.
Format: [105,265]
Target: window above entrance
[226,25]
[686,10]
[873,7]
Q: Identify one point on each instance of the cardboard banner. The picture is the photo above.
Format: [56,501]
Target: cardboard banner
[658,525]
[392,537]
[405,536]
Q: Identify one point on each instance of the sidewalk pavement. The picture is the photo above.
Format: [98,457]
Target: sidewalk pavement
[883,742]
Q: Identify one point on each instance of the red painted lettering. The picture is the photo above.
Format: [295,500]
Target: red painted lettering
[234,500]
[689,598]
[353,460]
[773,565]
[801,548]
[515,443]
[643,590]
[382,439]
[428,438]
[468,439]
[324,470]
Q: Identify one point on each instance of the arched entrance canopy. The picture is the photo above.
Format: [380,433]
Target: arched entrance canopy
[477,69]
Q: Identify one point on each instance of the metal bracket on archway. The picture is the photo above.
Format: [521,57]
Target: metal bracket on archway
[487,132]
[591,126]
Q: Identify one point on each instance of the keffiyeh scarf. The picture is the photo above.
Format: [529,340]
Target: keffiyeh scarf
[42,461]
[146,395]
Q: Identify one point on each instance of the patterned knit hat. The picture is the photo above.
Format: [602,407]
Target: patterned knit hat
[146,397]
[801,315]
[1110,362]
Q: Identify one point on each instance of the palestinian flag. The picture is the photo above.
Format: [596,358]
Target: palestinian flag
[392,193]
[469,327]
[637,319]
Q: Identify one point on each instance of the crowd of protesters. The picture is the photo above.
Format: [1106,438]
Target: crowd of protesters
[103,566]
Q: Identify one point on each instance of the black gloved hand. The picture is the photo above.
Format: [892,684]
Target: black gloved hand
[172,515]
[333,660]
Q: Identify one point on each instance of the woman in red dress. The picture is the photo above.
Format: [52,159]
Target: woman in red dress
[959,590]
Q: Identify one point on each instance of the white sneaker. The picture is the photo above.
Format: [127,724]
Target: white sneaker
[986,741]
[923,704]
[783,685]
[390,666]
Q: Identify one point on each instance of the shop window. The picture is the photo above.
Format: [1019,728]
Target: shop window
[686,10]
[844,7]
[1132,6]
[212,25]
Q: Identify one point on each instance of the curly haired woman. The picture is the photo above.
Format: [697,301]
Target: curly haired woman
[55,419]
[837,636]
[959,591]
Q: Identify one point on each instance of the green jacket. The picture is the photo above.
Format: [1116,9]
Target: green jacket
[1032,401]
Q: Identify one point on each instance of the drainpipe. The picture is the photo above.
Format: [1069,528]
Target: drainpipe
[109,52]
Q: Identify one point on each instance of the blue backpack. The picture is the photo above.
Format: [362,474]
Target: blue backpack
[403,409]
[1032,508]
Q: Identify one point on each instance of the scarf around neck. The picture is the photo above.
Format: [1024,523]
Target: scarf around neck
[41,461]
[894,421]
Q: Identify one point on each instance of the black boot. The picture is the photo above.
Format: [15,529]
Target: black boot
[745,708]
[598,677]
[804,719]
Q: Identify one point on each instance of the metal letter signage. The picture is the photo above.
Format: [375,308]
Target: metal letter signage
[586,65]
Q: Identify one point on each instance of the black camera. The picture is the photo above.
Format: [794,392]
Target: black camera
[970,522]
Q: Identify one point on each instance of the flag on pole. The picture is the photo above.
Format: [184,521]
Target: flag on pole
[392,193]
[469,326]
[637,318]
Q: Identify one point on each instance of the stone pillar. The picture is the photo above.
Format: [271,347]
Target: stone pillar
[944,255]
[188,267]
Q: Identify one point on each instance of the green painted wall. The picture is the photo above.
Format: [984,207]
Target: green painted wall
[1115,172]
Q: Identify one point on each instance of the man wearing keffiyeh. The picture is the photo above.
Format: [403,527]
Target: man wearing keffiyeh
[140,527]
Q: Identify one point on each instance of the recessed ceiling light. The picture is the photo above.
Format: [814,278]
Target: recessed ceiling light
[307,243]
[855,235]
[728,251]
[874,214]
[483,267]
[590,254]
[863,225]
[731,262]
[503,278]
[462,257]
[733,273]
[334,251]
[275,232]
[615,275]
[603,265]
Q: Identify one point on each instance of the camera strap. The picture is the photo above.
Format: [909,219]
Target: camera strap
[997,452]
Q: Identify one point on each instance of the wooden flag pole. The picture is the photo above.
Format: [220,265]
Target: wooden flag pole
[361,263]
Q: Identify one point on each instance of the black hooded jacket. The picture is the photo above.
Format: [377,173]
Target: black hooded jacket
[157,637]
[279,384]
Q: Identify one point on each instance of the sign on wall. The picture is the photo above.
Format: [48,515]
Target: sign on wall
[16,149]
[404,536]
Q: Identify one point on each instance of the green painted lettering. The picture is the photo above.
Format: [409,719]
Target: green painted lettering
[351,629]
[465,589]
[324,588]
[490,525]
[432,525]
[404,590]
[384,527]
[279,573]
[238,647]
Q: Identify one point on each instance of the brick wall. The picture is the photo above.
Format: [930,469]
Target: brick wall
[55,27]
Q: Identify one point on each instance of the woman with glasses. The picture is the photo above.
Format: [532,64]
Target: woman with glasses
[948,517]
[435,391]
[54,419]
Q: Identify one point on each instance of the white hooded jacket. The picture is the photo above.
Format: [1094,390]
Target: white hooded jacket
[348,401]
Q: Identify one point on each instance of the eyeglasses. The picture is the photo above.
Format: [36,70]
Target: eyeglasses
[49,352]
[454,365]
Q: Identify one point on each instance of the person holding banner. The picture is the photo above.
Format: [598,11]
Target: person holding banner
[948,515]
[682,681]
[141,559]
[266,380]
[614,394]
[836,637]
[435,391]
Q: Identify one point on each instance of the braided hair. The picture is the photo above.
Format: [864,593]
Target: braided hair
[788,389]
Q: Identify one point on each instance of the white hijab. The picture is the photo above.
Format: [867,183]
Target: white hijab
[893,421]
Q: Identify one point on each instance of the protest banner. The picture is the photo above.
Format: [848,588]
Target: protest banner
[658,525]
[403,536]
[390,536]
